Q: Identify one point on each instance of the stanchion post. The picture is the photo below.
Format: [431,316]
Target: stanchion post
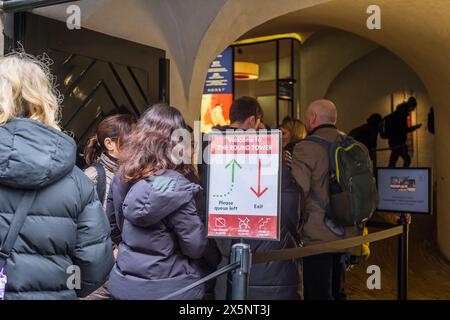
[240,252]
[402,265]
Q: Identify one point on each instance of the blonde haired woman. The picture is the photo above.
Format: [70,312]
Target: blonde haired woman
[293,131]
[43,196]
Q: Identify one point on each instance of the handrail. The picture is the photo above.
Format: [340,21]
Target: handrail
[22,5]
[389,148]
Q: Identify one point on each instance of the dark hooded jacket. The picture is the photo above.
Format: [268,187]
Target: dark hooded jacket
[65,226]
[161,235]
[279,280]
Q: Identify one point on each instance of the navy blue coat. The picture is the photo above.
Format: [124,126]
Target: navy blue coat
[66,224]
[279,280]
[163,242]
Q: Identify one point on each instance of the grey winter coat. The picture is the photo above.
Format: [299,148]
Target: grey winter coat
[65,226]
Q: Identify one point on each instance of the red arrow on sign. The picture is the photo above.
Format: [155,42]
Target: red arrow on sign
[259,193]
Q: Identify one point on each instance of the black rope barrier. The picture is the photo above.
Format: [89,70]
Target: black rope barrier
[211,276]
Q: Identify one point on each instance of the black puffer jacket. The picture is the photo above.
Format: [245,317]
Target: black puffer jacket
[163,240]
[279,280]
[64,227]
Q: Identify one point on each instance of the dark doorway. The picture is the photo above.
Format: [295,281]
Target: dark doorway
[97,74]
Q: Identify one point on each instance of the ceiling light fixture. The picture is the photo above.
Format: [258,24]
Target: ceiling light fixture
[246,70]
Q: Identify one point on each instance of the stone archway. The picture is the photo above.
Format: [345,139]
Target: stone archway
[425,50]
[233,20]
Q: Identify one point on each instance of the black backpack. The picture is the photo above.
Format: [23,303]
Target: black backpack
[386,124]
[101,181]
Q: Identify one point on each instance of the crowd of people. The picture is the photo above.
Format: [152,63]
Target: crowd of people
[133,222]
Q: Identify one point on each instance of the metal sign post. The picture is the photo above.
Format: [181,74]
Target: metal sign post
[402,265]
[243,202]
[240,252]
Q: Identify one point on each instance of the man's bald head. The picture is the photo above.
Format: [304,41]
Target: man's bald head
[320,112]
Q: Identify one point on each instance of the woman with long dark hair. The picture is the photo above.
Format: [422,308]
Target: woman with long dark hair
[154,216]
[101,154]
[103,150]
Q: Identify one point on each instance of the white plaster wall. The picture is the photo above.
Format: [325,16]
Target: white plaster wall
[323,56]
[364,87]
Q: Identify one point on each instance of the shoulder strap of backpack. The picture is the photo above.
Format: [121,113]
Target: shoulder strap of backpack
[324,143]
[16,225]
[101,181]
[327,145]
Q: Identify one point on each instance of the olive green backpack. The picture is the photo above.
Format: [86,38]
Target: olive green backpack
[353,194]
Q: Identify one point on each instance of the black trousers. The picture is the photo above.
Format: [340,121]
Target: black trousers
[400,152]
[324,277]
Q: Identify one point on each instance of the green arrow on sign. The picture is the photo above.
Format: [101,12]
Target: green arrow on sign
[233,165]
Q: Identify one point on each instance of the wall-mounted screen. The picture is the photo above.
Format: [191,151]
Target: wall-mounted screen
[406,190]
